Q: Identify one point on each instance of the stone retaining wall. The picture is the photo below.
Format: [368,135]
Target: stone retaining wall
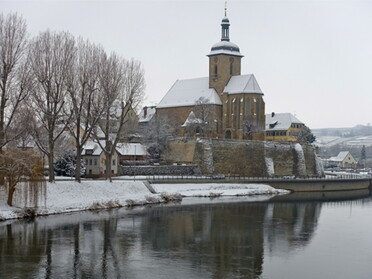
[245,158]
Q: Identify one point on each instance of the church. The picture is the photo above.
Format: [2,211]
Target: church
[226,104]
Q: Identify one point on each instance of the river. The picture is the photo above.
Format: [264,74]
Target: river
[314,235]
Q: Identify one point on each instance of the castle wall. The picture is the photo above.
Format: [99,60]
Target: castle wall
[245,158]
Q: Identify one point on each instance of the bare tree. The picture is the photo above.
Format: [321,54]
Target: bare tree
[156,133]
[51,57]
[203,122]
[17,164]
[250,127]
[84,99]
[14,74]
[122,88]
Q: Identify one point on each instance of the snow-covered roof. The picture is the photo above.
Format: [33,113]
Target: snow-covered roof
[147,114]
[131,149]
[225,47]
[192,119]
[186,92]
[122,148]
[340,157]
[280,121]
[243,84]
[92,145]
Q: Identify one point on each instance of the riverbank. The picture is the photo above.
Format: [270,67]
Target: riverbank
[70,196]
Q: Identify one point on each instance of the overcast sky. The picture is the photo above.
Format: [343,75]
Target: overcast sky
[310,58]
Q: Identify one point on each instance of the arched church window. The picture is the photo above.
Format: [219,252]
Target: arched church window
[215,70]
[231,65]
[247,106]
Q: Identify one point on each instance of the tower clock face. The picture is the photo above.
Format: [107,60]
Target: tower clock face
[215,59]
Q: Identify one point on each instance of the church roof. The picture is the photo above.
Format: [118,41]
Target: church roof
[280,121]
[186,92]
[243,84]
[225,47]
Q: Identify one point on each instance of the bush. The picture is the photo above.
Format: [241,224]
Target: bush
[176,197]
[29,213]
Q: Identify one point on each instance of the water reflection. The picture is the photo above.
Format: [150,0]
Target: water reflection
[228,240]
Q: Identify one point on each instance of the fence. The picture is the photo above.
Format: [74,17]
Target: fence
[237,179]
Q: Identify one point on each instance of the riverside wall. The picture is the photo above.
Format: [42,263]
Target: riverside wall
[245,158]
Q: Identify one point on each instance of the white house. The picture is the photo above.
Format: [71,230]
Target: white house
[95,159]
[343,160]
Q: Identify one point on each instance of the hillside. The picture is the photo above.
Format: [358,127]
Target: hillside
[333,140]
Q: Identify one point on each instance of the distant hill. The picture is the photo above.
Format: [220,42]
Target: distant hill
[331,141]
[358,130]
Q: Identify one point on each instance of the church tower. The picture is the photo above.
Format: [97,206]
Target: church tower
[224,59]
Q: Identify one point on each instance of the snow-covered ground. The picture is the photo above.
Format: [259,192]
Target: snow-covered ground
[69,196]
[216,189]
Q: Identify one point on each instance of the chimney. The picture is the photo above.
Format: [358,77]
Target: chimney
[144,112]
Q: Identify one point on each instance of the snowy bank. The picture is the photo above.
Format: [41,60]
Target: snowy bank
[217,189]
[70,196]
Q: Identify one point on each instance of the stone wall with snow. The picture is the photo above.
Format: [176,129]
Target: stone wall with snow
[245,158]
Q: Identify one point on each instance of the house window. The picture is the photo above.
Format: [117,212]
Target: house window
[86,161]
[89,152]
[95,162]
[90,162]
[90,171]
[114,162]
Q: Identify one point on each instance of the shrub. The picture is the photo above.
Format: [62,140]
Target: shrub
[130,203]
[214,195]
[171,197]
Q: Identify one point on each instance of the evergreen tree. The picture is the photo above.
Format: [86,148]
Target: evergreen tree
[66,165]
[363,153]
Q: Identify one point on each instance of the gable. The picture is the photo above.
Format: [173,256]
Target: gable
[243,84]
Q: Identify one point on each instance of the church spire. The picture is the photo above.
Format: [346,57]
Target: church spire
[225,26]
